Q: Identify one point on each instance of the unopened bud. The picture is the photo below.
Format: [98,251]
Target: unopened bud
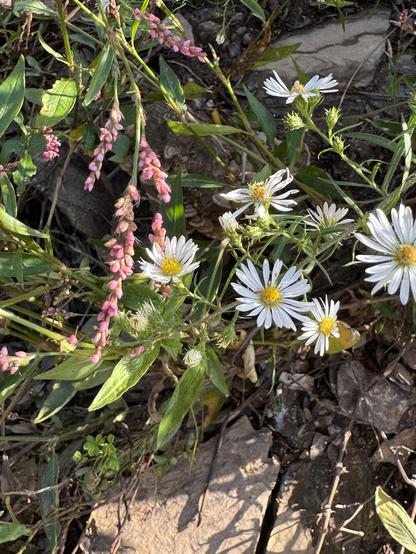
[293,121]
[332,117]
[192,357]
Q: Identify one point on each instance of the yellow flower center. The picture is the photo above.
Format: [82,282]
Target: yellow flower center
[270,296]
[171,266]
[258,192]
[406,255]
[327,326]
[297,88]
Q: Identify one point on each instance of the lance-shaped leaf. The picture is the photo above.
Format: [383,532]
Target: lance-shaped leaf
[125,375]
[181,402]
[396,520]
[102,67]
[202,129]
[12,93]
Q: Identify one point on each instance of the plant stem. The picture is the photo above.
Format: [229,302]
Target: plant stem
[65,36]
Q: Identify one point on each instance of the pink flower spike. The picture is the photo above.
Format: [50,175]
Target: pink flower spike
[160,32]
[108,135]
[72,340]
[52,145]
[158,230]
[151,170]
[121,251]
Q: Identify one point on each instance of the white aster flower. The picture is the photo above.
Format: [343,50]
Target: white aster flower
[228,222]
[262,195]
[322,325]
[276,87]
[328,216]
[396,245]
[270,297]
[173,262]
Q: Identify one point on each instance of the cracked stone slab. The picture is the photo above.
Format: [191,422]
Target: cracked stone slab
[164,517]
[326,48]
[371,398]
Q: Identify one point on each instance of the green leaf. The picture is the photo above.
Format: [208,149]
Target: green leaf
[34,95]
[272,54]
[8,195]
[30,265]
[317,180]
[373,139]
[59,396]
[25,170]
[255,9]
[190,180]
[174,212]
[215,371]
[121,148]
[183,397]
[51,51]
[136,291]
[97,377]
[396,520]
[11,148]
[125,375]
[9,383]
[49,500]
[72,369]
[202,129]
[294,145]
[14,226]
[171,86]
[12,93]
[57,102]
[190,90]
[35,7]
[172,347]
[12,531]
[263,115]
[102,66]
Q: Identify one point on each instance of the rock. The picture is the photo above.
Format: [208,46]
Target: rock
[247,39]
[326,48]
[76,203]
[400,446]
[289,535]
[406,64]
[289,419]
[187,27]
[234,49]
[409,355]
[163,519]
[318,446]
[297,381]
[370,398]
[303,489]
[207,30]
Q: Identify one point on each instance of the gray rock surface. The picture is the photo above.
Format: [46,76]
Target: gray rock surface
[89,212]
[289,535]
[371,398]
[163,519]
[326,48]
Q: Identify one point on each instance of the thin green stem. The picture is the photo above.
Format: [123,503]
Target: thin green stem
[65,36]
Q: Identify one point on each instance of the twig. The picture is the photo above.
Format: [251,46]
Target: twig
[59,182]
[26,492]
[339,470]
